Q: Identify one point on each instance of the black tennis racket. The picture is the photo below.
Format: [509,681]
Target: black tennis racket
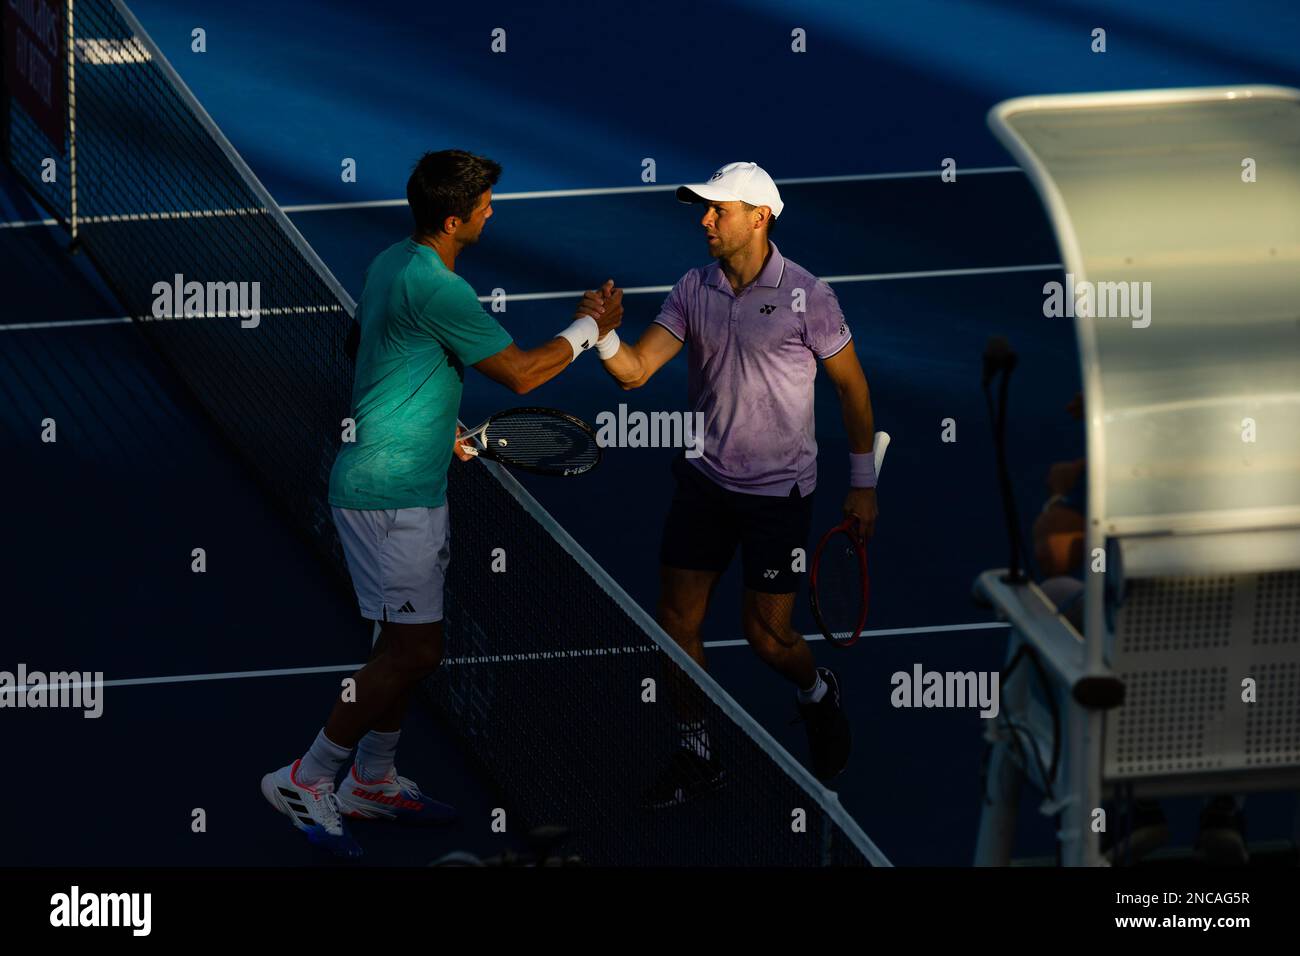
[840,589]
[539,440]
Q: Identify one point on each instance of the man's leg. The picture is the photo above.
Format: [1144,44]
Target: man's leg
[766,622]
[1058,541]
[766,619]
[773,531]
[413,561]
[698,543]
[377,750]
[683,601]
[404,655]
[697,546]
[693,767]
[391,720]
[410,652]
[305,790]
[398,561]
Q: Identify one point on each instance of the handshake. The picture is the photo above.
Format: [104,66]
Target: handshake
[605,306]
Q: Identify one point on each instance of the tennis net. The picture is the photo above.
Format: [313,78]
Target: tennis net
[550,668]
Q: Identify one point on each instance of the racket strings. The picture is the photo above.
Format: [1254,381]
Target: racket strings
[541,443]
[840,599]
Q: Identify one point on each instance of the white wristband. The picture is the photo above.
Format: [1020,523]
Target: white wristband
[581,335]
[607,345]
[862,470]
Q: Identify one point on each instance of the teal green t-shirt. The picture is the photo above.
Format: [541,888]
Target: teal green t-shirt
[421,324]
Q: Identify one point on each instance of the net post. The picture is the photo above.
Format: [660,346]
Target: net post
[72,121]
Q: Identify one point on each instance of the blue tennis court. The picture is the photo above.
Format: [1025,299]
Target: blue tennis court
[222,675]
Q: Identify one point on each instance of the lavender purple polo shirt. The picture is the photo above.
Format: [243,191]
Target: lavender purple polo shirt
[752,360]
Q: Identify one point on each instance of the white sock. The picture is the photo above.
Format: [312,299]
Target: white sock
[815,693]
[322,762]
[695,737]
[375,755]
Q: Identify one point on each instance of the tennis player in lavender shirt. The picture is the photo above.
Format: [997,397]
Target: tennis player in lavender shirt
[755,326]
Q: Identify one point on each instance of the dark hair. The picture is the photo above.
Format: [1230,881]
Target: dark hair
[448,183]
[771,219]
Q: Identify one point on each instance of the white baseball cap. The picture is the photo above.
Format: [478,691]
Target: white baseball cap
[736,182]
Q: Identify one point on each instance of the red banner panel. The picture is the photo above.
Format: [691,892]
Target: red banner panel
[36,73]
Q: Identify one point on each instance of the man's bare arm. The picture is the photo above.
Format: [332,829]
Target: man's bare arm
[633,365]
[845,373]
[522,370]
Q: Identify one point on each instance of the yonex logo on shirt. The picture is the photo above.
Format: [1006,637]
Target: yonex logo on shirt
[768,309]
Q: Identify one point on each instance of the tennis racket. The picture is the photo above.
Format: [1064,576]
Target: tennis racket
[840,589]
[539,440]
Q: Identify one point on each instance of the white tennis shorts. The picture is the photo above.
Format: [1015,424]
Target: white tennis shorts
[398,561]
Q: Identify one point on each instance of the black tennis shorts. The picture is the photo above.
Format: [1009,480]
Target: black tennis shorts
[706,522]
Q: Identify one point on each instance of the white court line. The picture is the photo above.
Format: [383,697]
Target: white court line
[490,659]
[195,678]
[274,312]
[887,632]
[635,290]
[568,294]
[648,188]
[855,277]
[28,223]
[539,194]
[160,216]
[19,326]
[550,655]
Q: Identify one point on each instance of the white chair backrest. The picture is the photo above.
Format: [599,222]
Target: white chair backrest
[1146,194]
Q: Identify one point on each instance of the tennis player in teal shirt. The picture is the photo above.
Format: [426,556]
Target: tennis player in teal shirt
[418,326]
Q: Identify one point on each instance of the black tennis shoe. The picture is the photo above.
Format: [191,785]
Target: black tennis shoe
[687,776]
[829,737]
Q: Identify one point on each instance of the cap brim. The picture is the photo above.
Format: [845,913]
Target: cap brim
[697,191]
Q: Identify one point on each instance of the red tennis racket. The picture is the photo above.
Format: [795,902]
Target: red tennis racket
[840,589]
